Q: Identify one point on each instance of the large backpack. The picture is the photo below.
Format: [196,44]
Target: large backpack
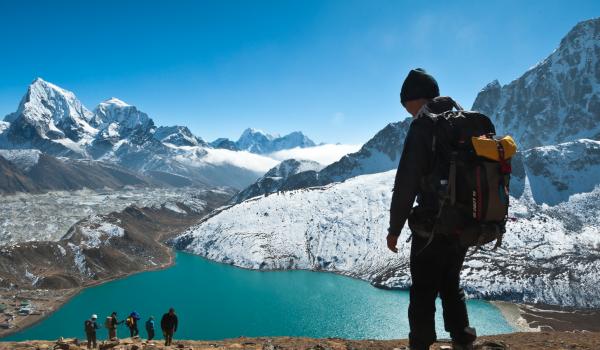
[470,173]
[108,322]
[88,326]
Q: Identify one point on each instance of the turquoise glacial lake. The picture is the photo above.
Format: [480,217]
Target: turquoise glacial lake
[217,301]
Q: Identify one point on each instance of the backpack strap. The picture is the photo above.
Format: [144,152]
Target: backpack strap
[452,179]
[457,106]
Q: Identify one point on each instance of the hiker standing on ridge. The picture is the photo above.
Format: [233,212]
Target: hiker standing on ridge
[111,324]
[90,327]
[168,324]
[132,324]
[150,328]
[435,264]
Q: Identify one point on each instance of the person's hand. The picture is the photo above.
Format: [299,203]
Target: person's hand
[392,241]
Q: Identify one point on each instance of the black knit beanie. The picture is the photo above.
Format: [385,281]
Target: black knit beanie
[418,84]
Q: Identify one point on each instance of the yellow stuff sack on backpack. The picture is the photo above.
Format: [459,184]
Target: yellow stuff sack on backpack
[488,148]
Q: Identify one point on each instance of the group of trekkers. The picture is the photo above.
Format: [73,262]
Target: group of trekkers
[168,325]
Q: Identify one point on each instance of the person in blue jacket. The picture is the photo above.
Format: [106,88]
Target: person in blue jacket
[150,328]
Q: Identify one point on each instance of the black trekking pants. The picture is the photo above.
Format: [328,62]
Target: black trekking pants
[133,331]
[436,271]
[91,340]
[168,333]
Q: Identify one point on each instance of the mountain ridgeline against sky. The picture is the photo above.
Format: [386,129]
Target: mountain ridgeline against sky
[118,135]
[551,110]
[260,142]
[381,153]
[556,101]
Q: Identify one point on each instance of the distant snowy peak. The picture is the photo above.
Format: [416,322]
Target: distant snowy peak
[178,136]
[113,101]
[557,100]
[292,140]
[223,143]
[274,179]
[114,115]
[257,141]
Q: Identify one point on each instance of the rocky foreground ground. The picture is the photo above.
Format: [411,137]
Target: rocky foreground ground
[513,341]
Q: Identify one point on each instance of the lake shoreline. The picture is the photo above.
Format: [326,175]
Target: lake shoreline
[513,313]
[55,305]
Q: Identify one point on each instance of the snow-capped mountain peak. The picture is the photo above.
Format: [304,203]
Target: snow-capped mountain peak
[115,101]
[127,116]
[258,141]
[46,100]
[253,132]
[255,141]
[50,117]
[557,100]
[178,135]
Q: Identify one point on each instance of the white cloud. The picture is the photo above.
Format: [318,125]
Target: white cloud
[240,159]
[324,154]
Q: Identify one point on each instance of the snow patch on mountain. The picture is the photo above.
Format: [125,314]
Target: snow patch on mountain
[4,126]
[274,178]
[24,159]
[177,135]
[96,230]
[557,172]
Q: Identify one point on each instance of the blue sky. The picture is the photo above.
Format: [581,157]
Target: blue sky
[332,69]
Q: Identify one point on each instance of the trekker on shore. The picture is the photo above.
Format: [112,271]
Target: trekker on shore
[111,324]
[90,327]
[150,328]
[169,324]
[132,324]
[435,263]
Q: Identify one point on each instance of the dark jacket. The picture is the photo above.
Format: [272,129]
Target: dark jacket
[150,325]
[168,322]
[91,326]
[415,164]
[115,322]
